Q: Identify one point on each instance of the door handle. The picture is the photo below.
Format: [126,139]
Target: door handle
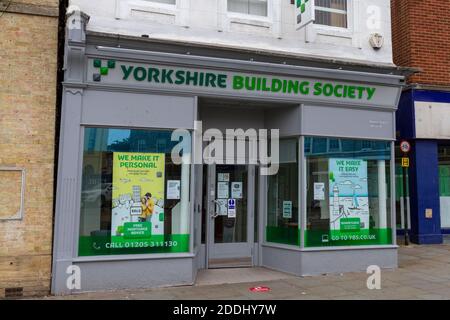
[215,214]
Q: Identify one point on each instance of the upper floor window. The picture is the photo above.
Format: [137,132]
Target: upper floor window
[164,1]
[252,7]
[332,13]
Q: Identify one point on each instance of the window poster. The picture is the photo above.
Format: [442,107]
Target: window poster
[137,197]
[319,191]
[287,209]
[349,199]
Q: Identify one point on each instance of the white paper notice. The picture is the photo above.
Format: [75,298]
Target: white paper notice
[222,190]
[173,189]
[287,209]
[221,207]
[319,191]
[225,177]
[236,190]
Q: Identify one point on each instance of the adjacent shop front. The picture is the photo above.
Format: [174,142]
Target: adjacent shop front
[129,215]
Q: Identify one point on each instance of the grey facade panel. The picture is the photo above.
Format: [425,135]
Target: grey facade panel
[281,259]
[347,122]
[231,118]
[287,120]
[126,109]
[338,261]
[125,274]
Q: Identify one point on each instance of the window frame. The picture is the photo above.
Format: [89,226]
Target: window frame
[339,32]
[304,189]
[331,10]
[124,9]
[20,213]
[271,21]
[249,15]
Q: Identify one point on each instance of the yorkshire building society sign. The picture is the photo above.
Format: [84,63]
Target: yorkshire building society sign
[237,84]
[305,13]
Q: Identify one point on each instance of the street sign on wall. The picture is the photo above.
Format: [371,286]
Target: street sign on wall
[405,146]
[305,13]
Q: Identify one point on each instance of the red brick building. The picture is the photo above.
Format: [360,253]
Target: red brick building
[421,39]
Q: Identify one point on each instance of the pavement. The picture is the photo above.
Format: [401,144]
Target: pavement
[423,273]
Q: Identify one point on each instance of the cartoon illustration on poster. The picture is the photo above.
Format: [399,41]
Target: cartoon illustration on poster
[137,196]
[349,201]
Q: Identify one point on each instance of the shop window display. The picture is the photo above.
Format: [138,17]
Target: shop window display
[134,199]
[282,197]
[348,192]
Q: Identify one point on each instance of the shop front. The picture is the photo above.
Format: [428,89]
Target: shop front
[131,215]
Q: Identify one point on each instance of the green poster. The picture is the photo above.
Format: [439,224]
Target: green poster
[349,199]
[137,196]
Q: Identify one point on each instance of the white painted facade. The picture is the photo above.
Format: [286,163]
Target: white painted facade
[208,22]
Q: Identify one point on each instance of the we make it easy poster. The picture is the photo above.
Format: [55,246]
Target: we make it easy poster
[137,197]
[349,200]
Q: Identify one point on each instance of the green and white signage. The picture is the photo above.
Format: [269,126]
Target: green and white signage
[349,199]
[209,81]
[305,13]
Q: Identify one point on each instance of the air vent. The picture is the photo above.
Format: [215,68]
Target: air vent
[13,292]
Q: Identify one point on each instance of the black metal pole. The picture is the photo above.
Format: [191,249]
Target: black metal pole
[405,206]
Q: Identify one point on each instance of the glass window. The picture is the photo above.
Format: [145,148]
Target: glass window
[348,192]
[134,199]
[331,13]
[282,197]
[253,7]
[444,184]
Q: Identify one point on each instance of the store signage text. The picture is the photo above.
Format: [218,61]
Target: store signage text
[240,82]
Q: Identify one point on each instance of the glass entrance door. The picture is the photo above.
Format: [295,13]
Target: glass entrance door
[230,215]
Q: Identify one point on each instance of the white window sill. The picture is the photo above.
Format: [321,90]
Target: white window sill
[126,8]
[333,31]
[157,8]
[253,20]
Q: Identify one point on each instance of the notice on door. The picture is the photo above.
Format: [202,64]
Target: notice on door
[223,190]
[221,207]
[231,208]
[236,190]
[223,177]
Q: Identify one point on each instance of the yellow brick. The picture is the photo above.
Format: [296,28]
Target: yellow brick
[28,65]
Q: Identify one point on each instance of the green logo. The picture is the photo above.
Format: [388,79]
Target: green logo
[103,70]
[302,5]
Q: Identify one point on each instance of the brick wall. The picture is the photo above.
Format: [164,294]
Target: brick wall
[421,39]
[28,69]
